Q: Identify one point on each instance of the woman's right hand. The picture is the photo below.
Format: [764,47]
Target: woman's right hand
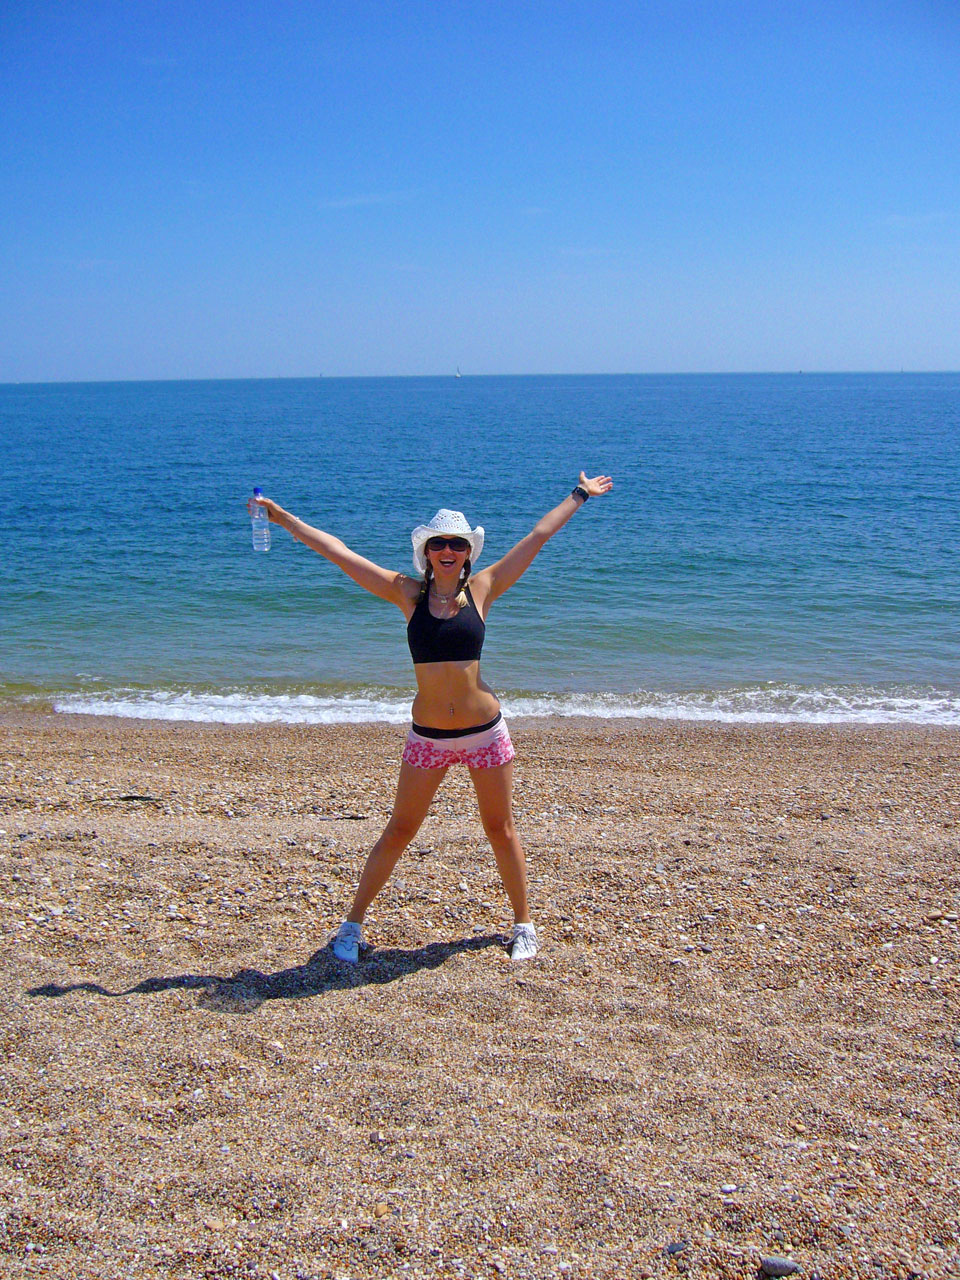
[272,508]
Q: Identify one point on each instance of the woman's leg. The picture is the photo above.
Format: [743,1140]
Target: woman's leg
[494,788]
[415,790]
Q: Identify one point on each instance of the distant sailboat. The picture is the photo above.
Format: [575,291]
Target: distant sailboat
[459,374]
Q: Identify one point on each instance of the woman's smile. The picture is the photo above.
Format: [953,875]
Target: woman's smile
[446,559]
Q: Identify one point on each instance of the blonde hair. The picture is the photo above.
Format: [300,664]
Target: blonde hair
[461,596]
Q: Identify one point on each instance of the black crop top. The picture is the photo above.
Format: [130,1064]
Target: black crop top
[456,639]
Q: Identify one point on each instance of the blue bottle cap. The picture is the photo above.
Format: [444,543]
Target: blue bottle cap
[257,493]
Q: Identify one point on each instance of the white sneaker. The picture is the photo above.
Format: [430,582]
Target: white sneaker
[347,943]
[523,943]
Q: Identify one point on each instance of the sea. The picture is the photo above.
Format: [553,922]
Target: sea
[778,548]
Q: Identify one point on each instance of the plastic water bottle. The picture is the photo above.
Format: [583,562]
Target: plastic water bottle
[261,524]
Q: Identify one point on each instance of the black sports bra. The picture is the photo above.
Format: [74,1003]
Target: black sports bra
[456,639]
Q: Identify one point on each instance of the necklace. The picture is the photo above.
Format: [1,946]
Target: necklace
[441,597]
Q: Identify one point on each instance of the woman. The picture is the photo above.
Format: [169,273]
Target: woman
[456,715]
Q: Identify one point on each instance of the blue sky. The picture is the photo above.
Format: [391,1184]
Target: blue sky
[260,189]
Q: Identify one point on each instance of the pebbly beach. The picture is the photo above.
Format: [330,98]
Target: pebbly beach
[738,1050]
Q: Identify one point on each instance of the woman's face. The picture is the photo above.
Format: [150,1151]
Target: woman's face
[446,555]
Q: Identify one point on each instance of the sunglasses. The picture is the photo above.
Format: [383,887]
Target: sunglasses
[455,544]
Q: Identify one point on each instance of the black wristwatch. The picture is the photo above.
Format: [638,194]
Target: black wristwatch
[578,491]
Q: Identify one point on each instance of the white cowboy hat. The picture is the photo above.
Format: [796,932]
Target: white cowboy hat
[452,523]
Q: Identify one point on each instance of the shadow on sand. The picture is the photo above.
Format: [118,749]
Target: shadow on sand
[249,988]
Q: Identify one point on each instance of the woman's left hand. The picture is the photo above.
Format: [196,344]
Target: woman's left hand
[596,486]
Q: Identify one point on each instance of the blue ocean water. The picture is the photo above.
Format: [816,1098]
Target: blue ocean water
[776,546]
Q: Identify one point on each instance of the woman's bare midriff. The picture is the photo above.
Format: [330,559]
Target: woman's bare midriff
[451,695]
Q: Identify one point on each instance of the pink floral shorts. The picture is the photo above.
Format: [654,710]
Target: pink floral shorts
[484,750]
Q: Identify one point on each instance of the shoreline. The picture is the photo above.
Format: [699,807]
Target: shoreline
[537,728]
[735,1036]
[369,707]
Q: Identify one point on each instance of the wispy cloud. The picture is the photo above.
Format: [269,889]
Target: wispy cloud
[915,221]
[363,202]
[161,62]
[585,251]
[86,264]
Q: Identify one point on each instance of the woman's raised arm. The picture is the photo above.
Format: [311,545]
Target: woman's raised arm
[378,581]
[499,577]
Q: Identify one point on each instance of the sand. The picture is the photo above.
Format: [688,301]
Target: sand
[741,1038]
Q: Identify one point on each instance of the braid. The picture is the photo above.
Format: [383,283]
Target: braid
[425,584]
[464,575]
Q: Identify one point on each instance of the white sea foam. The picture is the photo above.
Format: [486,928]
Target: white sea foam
[240,707]
[781,704]
[766,704]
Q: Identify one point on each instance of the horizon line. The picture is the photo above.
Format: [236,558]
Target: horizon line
[372,377]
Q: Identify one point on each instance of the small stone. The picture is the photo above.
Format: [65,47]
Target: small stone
[956,1041]
[774,1265]
[678,1246]
[214,1224]
[607,1202]
[679,962]
[728,1188]
[380,1209]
